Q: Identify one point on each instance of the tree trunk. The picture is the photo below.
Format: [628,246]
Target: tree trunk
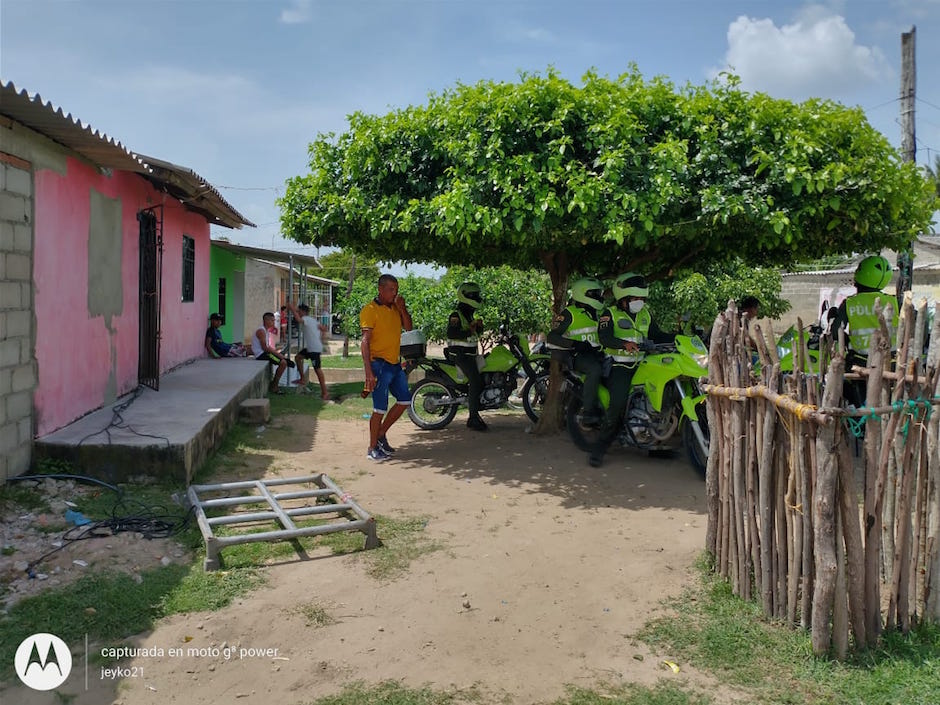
[553,413]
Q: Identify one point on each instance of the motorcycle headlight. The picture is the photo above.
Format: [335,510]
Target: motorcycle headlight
[702,360]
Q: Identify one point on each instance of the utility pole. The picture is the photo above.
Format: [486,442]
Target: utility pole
[908,145]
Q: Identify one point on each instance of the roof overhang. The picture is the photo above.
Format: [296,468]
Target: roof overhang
[269,255]
[194,192]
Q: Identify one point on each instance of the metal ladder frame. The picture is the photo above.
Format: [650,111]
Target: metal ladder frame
[329,499]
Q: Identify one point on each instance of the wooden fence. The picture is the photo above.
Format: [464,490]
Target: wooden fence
[829,514]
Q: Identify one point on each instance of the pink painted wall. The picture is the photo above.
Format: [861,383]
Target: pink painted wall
[88,358]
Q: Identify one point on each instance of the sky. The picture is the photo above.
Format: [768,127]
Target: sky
[236,89]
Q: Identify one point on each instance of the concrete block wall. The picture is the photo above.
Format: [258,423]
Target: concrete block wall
[17,321]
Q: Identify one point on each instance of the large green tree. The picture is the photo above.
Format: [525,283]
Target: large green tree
[606,176]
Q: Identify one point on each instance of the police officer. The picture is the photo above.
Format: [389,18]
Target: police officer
[575,330]
[857,312]
[463,332]
[856,316]
[622,329]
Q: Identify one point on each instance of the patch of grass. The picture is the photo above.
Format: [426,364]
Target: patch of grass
[21,495]
[240,442]
[663,693]
[394,693]
[403,541]
[199,591]
[110,606]
[315,615]
[353,362]
[347,402]
[717,631]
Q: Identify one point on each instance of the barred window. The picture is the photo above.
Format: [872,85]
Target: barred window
[189,268]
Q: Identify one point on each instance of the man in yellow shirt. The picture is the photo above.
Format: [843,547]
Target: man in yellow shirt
[382,321]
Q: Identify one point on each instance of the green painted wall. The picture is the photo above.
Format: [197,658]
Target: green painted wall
[231,267]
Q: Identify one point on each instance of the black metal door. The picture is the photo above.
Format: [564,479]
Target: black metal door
[151,258]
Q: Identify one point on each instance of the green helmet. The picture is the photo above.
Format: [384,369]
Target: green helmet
[630,284]
[469,293]
[588,292]
[873,272]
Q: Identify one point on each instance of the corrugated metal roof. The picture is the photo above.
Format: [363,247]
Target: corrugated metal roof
[193,191]
[183,184]
[269,255]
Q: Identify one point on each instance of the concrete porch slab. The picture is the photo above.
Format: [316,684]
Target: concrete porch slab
[167,434]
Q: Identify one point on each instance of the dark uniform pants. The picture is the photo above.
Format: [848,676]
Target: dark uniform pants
[467,363]
[591,365]
[619,382]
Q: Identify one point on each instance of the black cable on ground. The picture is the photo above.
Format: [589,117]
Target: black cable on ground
[152,522]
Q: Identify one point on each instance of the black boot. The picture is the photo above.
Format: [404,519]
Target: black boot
[476,423]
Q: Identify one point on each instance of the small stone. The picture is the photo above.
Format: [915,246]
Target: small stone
[466,604]
[91,610]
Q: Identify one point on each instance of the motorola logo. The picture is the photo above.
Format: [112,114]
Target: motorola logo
[43,661]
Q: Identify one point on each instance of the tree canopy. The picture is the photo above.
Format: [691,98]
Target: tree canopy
[607,176]
[521,299]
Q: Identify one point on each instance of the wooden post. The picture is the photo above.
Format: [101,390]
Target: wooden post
[854,551]
[824,499]
[878,351]
[712,408]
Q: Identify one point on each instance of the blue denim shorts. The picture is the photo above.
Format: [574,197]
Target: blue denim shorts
[389,378]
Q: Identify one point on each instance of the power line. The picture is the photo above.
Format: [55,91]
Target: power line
[927,102]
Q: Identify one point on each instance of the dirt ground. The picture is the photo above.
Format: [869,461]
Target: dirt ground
[548,568]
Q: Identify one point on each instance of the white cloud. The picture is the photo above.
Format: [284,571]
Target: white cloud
[817,55]
[300,11]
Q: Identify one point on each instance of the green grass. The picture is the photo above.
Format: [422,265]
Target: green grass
[113,606]
[716,631]
[21,495]
[353,362]
[314,614]
[347,402]
[394,693]
[403,541]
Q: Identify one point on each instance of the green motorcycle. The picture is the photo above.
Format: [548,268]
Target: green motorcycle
[665,398]
[787,348]
[436,399]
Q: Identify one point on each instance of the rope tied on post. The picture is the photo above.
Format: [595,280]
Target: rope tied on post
[856,424]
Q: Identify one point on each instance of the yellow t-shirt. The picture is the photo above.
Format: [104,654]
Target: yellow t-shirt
[385,322]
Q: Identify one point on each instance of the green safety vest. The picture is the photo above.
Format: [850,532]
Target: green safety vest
[582,327]
[632,329]
[471,340]
[860,312]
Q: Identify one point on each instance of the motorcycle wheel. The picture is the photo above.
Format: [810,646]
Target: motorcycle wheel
[432,405]
[534,393]
[698,454]
[585,437]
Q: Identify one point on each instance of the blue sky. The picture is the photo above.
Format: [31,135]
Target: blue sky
[236,89]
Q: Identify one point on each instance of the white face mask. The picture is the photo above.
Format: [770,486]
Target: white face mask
[636,306]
